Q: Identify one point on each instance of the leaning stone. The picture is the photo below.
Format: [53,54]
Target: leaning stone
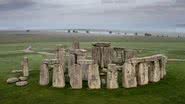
[142,74]
[23,78]
[94,77]
[44,74]
[112,77]
[25,68]
[129,75]
[154,71]
[58,76]
[76,77]
[12,80]
[21,83]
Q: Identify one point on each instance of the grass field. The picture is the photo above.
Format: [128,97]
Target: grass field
[171,90]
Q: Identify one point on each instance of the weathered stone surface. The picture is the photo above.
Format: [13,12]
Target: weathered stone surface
[25,67]
[119,55]
[76,44]
[84,63]
[102,56]
[94,77]
[71,62]
[112,76]
[101,44]
[129,75]
[44,74]
[60,55]
[21,83]
[23,78]
[142,73]
[76,77]
[74,56]
[163,62]
[58,76]
[154,71]
[12,80]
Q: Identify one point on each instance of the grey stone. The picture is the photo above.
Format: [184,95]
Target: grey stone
[58,76]
[142,73]
[129,75]
[21,83]
[94,77]
[76,77]
[23,78]
[17,71]
[154,71]
[44,74]
[112,77]
[25,67]
[12,80]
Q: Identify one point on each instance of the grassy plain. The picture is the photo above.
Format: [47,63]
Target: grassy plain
[171,90]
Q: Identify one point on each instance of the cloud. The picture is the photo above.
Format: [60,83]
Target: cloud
[6,5]
[91,13]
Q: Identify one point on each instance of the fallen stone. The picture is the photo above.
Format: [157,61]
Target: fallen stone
[16,71]
[21,83]
[12,80]
[23,78]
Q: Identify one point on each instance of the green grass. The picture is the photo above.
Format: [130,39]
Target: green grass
[171,90]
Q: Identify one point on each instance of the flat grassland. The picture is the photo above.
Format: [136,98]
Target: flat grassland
[171,90]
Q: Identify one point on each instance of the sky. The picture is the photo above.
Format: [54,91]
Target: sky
[140,15]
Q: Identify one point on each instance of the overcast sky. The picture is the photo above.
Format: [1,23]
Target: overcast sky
[151,15]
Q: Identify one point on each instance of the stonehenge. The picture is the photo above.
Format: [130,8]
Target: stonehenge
[104,67]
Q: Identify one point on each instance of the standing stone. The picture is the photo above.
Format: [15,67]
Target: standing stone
[58,76]
[25,68]
[74,56]
[154,71]
[112,77]
[163,62]
[142,74]
[44,74]
[94,77]
[76,77]
[85,66]
[76,44]
[60,56]
[129,75]
[71,62]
